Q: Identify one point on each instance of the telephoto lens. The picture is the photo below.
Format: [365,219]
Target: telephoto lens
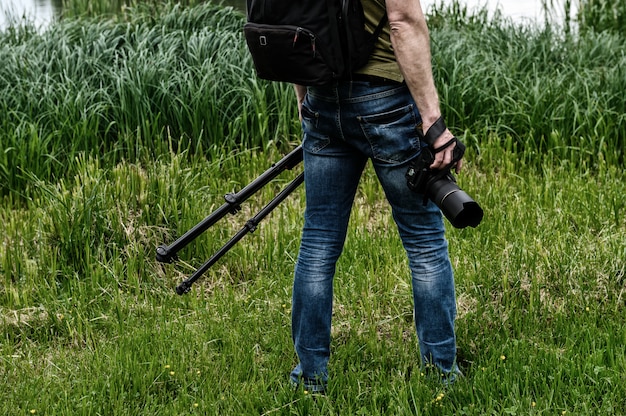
[441,188]
[439,185]
[457,206]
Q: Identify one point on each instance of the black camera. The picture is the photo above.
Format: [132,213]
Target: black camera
[440,187]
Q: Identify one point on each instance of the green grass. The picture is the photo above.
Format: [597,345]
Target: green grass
[96,174]
[92,320]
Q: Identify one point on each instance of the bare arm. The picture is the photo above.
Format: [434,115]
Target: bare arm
[300,93]
[411,43]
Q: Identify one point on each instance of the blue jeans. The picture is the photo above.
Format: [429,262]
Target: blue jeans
[344,126]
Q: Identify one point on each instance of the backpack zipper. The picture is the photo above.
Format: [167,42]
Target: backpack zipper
[311,37]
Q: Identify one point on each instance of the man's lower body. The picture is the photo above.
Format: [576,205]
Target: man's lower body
[344,126]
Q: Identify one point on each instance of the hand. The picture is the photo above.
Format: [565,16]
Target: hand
[445,157]
[300,93]
[300,110]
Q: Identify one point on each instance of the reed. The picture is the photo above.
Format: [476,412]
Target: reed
[549,92]
[130,88]
[590,15]
[91,8]
[133,86]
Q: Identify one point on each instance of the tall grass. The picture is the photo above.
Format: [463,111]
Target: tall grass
[549,92]
[158,76]
[83,8]
[603,15]
[591,15]
[129,88]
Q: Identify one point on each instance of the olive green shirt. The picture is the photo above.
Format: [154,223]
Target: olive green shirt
[382,63]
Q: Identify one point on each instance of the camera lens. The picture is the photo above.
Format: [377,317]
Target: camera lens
[458,207]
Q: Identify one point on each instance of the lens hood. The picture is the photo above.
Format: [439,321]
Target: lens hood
[457,206]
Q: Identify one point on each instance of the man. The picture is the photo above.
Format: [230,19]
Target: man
[376,115]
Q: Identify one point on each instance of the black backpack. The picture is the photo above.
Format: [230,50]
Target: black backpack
[308,42]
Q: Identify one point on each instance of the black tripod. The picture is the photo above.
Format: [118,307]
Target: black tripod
[167,254]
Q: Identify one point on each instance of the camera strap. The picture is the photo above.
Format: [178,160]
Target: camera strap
[458,152]
[436,130]
[432,134]
[446,145]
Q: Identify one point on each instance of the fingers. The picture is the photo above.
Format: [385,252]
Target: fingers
[445,157]
[458,166]
[300,111]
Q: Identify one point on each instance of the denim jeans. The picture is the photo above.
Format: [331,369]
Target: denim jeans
[345,125]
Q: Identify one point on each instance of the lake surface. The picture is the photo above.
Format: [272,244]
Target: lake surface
[42,12]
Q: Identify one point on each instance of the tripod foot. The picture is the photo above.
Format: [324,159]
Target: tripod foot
[183,288]
[163,255]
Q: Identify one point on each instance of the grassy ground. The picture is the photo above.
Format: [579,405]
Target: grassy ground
[90,321]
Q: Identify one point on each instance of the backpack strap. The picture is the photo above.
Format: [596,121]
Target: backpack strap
[345,4]
[381,25]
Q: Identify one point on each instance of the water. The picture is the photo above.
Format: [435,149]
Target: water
[42,12]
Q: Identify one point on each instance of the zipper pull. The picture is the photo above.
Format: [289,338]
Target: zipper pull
[313,45]
[295,37]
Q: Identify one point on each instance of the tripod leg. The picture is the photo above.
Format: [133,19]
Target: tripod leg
[166,254]
[250,227]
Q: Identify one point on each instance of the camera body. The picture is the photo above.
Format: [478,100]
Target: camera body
[440,187]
